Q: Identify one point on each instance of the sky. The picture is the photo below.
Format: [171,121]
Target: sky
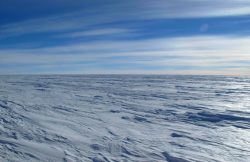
[193,37]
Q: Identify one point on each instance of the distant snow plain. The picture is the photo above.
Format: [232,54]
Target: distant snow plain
[113,118]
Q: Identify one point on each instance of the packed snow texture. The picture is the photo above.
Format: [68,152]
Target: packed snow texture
[99,118]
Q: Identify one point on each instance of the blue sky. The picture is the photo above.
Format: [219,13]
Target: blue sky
[125,37]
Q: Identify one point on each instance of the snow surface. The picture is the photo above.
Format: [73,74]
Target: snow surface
[142,118]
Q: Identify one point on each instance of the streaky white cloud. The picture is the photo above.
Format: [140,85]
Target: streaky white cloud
[128,10]
[98,32]
[211,53]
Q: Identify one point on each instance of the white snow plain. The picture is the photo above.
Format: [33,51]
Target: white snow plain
[113,118]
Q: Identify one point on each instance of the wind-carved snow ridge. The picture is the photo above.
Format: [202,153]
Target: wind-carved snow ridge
[113,118]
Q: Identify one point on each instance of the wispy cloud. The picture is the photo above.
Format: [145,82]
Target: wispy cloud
[210,53]
[99,32]
[128,11]
[100,38]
